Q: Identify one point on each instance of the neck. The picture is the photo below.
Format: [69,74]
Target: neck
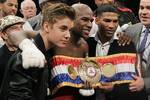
[103,38]
[47,44]
[147,26]
[74,39]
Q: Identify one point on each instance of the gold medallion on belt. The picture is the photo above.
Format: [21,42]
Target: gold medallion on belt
[108,70]
[89,71]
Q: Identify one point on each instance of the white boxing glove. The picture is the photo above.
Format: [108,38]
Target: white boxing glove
[31,55]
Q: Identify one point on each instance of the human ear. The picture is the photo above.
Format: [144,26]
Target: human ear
[46,26]
[97,20]
[4,36]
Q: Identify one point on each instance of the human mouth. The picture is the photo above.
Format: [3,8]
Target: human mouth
[86,32]
[110,31]
[65,42]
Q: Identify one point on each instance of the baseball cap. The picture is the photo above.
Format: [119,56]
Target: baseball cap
[9,21]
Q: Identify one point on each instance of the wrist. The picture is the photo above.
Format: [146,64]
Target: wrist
[25,44]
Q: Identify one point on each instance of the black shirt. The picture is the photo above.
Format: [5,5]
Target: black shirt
[5,54]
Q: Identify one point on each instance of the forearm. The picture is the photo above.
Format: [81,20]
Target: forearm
[17,37]
[31,55]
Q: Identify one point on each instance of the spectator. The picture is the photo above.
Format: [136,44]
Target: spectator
[28,9]
[9,7]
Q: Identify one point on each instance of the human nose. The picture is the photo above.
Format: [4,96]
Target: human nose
[89,24]
[144,11]
[67,36]
[14,9]
[111,25]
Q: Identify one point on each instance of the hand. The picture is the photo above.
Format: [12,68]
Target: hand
[107,86]
[137,85]
[123,39]
[31,55]
[87,89]
[87,85]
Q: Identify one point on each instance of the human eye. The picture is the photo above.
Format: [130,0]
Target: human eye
[16,6]
[26,8]
[106,20]
[141,7]
[32,8]
[85,19]
[63,28]
[115,21]
[10,4]
[148,7]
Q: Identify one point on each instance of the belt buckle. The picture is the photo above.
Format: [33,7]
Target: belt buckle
[89,71]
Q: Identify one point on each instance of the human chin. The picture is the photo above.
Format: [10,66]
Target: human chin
[110,34]
[12,13]
[146,23]
[62,45]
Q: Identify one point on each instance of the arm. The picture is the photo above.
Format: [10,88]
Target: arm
[24,84]
[31,56]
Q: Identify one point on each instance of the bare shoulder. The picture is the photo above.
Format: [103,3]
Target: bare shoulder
[84,45]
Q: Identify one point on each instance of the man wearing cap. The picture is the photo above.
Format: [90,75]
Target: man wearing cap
[8,26]
[9,7]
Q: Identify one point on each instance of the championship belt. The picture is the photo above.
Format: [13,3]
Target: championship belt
[76,72]
[89,71]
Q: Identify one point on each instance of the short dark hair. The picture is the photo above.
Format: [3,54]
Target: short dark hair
[105,8]
[56,11]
